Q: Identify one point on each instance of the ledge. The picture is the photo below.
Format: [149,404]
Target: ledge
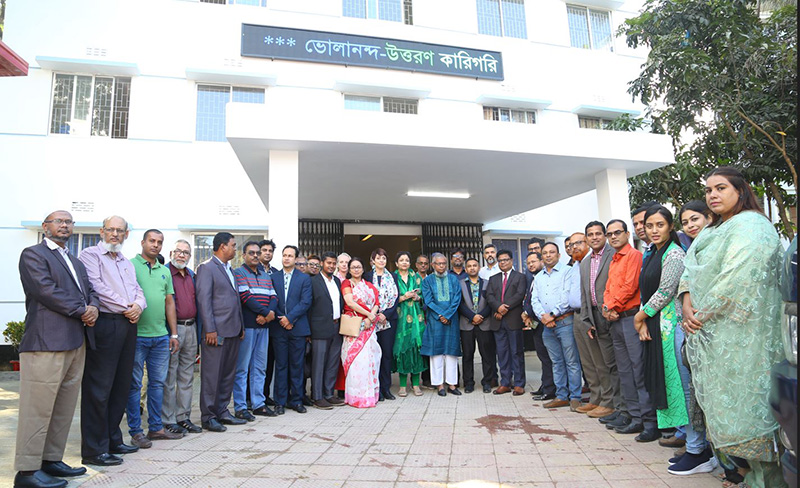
[92,66]
[380,89]
[604,112]
[230,77]
[507,101]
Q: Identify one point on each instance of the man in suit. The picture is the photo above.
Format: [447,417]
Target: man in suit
[267,251]
[547,390]
[59,302]
[223,329]
[179,385]
[109,366]
[504,293]
[592,331]
[326,343]
[474,324]
[293,288]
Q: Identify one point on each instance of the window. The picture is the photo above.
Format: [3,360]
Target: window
[255,3]
[508,115]
[203,248]
[78,242]
[593,123]
[392,10]
[86,105]
[589,28]
[376,104]
[502,18]
[211,101]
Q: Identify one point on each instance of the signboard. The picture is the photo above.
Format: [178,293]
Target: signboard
[263,41]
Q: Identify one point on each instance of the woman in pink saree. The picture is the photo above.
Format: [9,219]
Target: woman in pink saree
[361,355]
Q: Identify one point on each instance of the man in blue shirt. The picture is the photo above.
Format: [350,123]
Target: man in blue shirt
[554,298]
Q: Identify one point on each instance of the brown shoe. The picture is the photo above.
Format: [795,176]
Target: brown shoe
[574,405]
[600,412]
[671,441]
[518,390]
[556,403]
[335,401]
[141,441]
[586,408]
[501,390]
[163,435]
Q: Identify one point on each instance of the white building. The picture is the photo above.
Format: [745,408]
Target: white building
[148,109]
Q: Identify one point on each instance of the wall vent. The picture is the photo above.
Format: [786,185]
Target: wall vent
[236,63]
[99,52]
[82,206]
[229,210]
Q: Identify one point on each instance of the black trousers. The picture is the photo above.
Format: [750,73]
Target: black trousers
[326,357]
[548,385]
[488,350]
[270,367]
[217,374]
[386,341]
[106,383]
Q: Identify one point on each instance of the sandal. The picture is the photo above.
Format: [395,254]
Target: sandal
[417,391]
[402,392]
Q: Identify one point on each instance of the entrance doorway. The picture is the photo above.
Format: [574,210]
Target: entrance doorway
[359,245]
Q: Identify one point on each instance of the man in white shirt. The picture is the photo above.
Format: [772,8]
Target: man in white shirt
[490,257]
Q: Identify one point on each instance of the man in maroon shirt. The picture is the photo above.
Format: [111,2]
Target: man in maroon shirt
[177,407]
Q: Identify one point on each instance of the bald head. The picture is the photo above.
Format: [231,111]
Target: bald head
[57,227]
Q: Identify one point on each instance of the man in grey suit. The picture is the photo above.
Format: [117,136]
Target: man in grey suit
[220,311]
[593,332]
[505,293]
[59,302]
[474,324]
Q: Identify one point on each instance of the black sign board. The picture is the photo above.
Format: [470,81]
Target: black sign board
[262,41]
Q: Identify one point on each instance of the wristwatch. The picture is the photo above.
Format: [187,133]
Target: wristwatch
[173,336]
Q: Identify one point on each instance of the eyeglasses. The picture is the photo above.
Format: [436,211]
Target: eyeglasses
[458,256]
[253,253]
[300,265]
[182,253]
[312,265]
[59,221]
[114,230]
[503,260]
[576,243]
[615,233]
[356,267]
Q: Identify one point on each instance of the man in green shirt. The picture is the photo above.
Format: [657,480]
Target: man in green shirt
[153,344]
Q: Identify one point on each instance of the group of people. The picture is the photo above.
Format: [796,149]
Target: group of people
[681,336]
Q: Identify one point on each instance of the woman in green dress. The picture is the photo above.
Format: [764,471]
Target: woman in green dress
[410,325]
[731,315]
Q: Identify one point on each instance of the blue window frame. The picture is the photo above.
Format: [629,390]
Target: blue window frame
[502,18]
[211,102]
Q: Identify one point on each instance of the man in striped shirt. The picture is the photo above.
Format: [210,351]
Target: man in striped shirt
[259,304]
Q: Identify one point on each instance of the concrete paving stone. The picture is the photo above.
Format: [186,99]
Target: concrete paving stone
[196,469]
[317,484]
[420,484]
[333,458]
[613,472]
[284,471]
[583,484]
[649,456]
[177,455]
[253,457]
[527,485]
[521,460]
[145,466]
[523,474]
[368,484]
[237,470]
[611,456]
[472,460]
[385,460]
[471,438]
[379,448]
[317,447]
[575,473]
[693,481]
[303,458]
[409,473]
[115,480]
[553,459]
[374,473]
[553,445]
[457,475]
[427,461]
[529,449]
[267,483]
[473,449]
[167,481]
[212,482]
[234,445]
[395,438]
[319,471]
[648,483]
[430,449]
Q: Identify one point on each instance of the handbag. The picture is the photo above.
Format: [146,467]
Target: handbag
[381,326]
[350,325]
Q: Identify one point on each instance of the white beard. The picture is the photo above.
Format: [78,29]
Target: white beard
[111,247]
[177,265]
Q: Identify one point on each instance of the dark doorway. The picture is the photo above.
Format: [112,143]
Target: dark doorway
[356,245]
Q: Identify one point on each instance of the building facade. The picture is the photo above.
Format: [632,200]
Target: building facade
[261,116]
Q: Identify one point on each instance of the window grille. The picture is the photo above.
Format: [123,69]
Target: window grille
[502,18]
[590,28]
[593,123]
[86,105]
[211,102]
[391,10]
[507,115]
[400,105]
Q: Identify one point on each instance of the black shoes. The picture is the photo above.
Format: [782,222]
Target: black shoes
[232,421]
[123,449]
[487,389]
[264,411]
[307,401]
[61,469]
[609,418]
[245,415]
[299,408]
[632,428]
[454,391]
[648,435]
[388,395]
[213,425]
[544,398]
[280,410]
[441,392]
[469,389]
[323,404]
[270,402]
[620,421]
[190,427]
[104,459]
[176,429]
[380,397]
[38,479]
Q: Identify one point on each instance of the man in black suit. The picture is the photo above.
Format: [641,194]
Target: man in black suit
[504,293]
[59,302]
[220,310]
[326,342]
[289,334]
[474,325]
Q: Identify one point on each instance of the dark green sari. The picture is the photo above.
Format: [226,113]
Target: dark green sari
[410,325]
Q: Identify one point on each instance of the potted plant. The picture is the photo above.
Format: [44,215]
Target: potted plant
[13,334]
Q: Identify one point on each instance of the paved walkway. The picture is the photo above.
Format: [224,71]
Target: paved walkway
[472,441]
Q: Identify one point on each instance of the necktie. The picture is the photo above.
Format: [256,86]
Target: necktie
[503,293]
[287,277]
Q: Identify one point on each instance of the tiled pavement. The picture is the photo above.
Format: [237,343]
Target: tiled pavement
[472,441]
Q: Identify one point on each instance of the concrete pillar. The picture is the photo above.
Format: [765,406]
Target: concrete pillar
[284,191]
[612,196]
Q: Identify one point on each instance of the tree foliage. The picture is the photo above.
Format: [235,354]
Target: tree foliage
[720,79]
